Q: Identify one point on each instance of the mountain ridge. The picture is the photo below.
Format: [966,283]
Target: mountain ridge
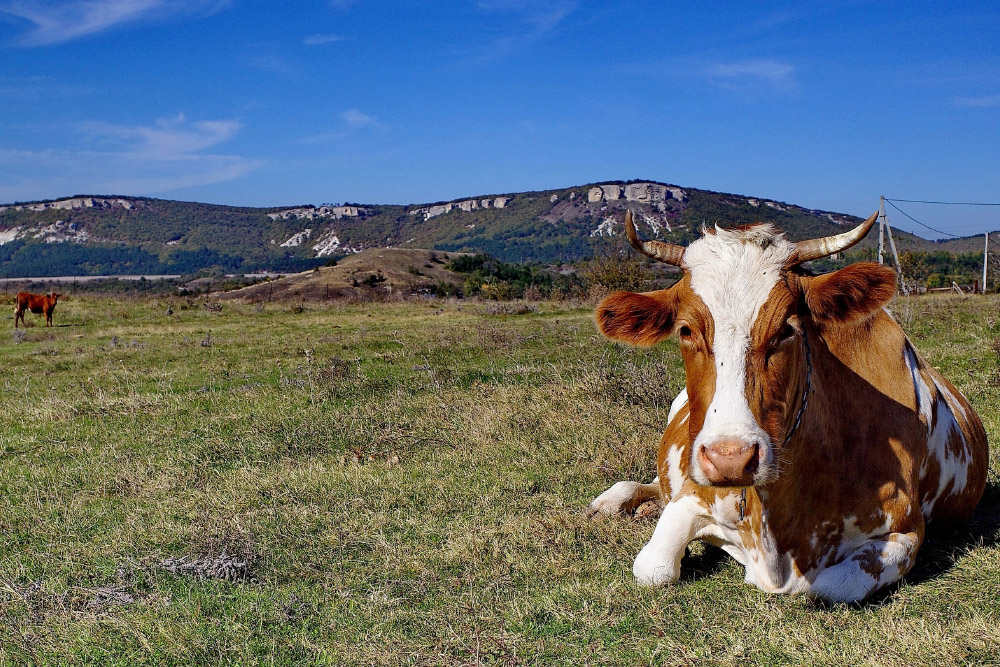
[115,234]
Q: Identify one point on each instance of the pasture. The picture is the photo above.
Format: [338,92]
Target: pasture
[404,484]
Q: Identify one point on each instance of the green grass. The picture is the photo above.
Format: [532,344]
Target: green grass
[407,482]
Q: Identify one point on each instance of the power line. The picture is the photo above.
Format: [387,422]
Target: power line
[950,203]
[956,236]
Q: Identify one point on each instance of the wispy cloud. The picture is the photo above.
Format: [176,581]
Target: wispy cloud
[348,123]
[316,40]
[269,58]
[542,15]
[355,119]
[51,22]
[978,101]
[530,20]
[751,75]
[39,88]
[170,154]
[167,138]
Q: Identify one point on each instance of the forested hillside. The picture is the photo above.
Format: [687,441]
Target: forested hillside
[94,235]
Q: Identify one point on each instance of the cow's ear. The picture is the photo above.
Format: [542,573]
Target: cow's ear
[852,293]
[638,319]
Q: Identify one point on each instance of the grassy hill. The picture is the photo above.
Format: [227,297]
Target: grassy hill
[119,235]
[406,271]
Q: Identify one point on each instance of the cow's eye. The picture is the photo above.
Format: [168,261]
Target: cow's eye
[684,332]
[787,333]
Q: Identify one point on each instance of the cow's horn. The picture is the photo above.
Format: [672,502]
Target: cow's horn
[816,248]
[658,250]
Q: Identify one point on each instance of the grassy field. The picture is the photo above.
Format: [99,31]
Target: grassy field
[405,484]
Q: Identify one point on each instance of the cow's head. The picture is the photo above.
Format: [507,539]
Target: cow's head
[55,296]
[741,311]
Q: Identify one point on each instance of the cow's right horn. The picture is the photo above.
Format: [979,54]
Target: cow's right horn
[816,248]
[658,250]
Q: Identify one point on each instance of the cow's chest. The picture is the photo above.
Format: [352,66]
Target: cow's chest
[776,560]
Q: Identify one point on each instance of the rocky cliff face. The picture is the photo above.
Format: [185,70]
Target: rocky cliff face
[74,203]
[467,205]
[645,193]
[312,213]
[59,231]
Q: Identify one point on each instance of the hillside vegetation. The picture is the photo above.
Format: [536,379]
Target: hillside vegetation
[131,235]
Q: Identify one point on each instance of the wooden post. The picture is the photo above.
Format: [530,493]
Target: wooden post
[895,257]
[881,227]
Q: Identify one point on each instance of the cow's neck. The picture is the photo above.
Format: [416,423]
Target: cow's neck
[846,365]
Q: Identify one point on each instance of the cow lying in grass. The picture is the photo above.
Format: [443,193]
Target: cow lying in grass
[36,303]
[812,443]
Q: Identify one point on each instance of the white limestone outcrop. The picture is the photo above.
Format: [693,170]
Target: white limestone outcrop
[312,212]
[74,203]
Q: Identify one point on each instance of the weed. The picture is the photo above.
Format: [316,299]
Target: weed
[504,308]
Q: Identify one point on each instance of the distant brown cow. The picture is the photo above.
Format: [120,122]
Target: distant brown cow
[36,303]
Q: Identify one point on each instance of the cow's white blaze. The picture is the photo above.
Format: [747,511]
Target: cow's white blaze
[733,271]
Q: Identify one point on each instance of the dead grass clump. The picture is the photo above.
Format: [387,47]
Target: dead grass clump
[496,337]
[224,566]
[641,385]
[220,551]
[295,609]
[39,603]
[106,597]
[336,371]
[505,308]
[134,344]
[213,306]
[18,336]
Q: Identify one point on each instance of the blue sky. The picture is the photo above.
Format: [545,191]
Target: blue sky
[823,104]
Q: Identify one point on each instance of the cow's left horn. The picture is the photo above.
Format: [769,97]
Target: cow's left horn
[658,250]
[816,248]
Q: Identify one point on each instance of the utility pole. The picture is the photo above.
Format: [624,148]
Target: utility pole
[895,257]
[881,227]
[986,250]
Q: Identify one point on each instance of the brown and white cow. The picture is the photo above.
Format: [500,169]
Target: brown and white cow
[36,303]
[812,443]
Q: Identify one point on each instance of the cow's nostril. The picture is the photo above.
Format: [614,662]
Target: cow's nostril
[751,467]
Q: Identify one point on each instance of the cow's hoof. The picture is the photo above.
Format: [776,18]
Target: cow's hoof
[650,570]
[621,498]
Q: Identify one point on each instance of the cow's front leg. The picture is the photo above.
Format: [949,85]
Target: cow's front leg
[623,498]
[659,562]
[868,568]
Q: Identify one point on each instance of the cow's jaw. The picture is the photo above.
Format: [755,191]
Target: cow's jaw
[733,272]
